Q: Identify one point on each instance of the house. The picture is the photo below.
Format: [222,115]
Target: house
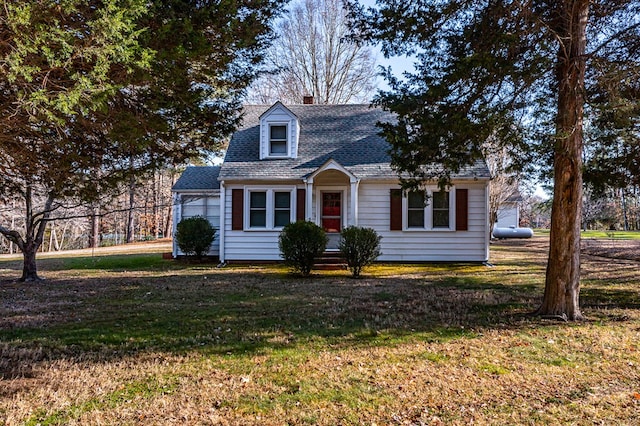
[197,193]
[508,214]
[328,164]
[508,219]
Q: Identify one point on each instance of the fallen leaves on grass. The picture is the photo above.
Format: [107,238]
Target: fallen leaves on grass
[410,344]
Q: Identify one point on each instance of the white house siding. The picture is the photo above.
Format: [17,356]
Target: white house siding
[507,216]
[206,205]
[251,244]
[408,246]
[445,246]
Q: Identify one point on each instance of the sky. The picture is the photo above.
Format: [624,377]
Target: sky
[398,64]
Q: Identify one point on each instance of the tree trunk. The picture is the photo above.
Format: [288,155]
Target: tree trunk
[36,224]
[156,200]
[29,267]
[60,244]
[625,221]
[52,233]
[13,226]
[562,287]
[131,211]
[168,224]
[94,228]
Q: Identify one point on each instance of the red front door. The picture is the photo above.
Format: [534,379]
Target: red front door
[331,216]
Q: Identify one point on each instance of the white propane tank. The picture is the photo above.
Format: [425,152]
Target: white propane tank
[512,232]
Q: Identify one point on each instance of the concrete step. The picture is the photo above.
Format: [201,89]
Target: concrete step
[330,261]
[330,257]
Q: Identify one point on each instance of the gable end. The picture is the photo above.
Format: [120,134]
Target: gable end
[279,133]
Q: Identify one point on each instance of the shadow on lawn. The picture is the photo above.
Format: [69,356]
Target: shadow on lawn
[230,312]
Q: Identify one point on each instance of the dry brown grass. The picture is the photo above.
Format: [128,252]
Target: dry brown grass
[427,344]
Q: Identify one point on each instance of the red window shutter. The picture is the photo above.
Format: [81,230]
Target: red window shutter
[462,209]
[395,211]
[237,214]
[300,204]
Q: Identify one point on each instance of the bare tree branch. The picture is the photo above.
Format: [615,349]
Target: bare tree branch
[313,55]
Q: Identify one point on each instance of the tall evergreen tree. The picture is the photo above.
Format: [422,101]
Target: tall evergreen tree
[613,132]
[60,62]
[95,92]
[513,69]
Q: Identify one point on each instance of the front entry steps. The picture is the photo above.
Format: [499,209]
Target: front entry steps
[330,261]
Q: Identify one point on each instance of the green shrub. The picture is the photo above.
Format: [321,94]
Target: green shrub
[195,236]
[300,244]
[360,247]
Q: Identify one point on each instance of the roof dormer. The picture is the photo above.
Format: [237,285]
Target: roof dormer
[279,132]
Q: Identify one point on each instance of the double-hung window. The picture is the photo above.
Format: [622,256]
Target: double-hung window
[278,140]
[257,209]
[428,210]
[416,203]
[440,217]
[281,208]
[268,208]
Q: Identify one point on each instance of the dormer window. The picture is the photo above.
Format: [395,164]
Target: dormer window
[278,140]
[279,133]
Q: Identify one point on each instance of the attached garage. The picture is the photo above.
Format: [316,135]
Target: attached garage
[197,193]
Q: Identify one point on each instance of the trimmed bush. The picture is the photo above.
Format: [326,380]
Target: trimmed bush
[300,244]
[360,247]
[194,236]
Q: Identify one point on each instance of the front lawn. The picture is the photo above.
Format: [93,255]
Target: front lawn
[130,341]
[599,234]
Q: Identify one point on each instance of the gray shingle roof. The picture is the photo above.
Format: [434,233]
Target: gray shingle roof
[344,133]
[514,197]
[198,178]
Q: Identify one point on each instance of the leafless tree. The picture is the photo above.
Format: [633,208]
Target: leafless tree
[313,55]
[535,212]
[10,216]
[503,183]
[75,225]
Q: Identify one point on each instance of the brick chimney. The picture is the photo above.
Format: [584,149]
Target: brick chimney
[307,100]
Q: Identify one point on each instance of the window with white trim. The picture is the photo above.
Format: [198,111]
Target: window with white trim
[428,210]
[281,208]
[441,209]
[268,209]
[257,209]
[416,203]
[278,143]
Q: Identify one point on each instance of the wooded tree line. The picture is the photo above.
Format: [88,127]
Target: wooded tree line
[116,220]
[615,209]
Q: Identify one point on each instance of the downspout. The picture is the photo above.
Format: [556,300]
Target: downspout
[355,184]
[177,217]
[222,221]
[487,226]
[308,193]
